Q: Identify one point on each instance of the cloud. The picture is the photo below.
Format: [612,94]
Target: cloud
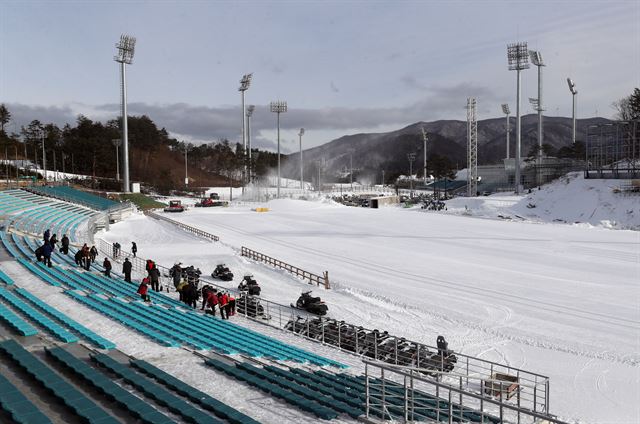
[199,124]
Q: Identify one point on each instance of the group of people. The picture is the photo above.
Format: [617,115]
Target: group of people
[85,256]
[225,302]
[44,252]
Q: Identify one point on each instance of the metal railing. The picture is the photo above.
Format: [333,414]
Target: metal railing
[184,227]
[305,275]
[404,394]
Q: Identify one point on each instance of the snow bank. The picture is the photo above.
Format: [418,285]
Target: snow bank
[571,199]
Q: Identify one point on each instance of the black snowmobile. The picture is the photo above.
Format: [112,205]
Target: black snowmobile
[311,304]
[250,286]
[250,306]
[222,273]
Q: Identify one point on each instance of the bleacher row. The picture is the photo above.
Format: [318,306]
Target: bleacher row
[70,194]
[158,390]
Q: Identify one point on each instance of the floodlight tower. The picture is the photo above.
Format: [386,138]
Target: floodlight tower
[300,134]
[536,59]
[126,50]
[507,112]
[245,82]
[278,107]
[424,139]
[572,88]
[518,60]
[411,156]
[472,148]
[44,157]
[250,110]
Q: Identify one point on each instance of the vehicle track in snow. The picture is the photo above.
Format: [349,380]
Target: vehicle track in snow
[458,287]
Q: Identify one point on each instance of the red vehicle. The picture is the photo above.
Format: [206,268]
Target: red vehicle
[174,206]
[212,200]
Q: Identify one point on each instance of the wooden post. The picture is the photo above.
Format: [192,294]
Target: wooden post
[326,280]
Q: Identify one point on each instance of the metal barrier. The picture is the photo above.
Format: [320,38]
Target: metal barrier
[184,227]
[305,275]
[404,394]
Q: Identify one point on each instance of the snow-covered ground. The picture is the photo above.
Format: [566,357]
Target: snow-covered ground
[558,299]
[571,199]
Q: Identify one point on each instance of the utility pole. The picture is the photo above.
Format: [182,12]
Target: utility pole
[424,139]
[411,156]
[300,134]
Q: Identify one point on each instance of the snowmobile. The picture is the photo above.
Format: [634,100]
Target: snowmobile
[174,206]
[222,272]
[311,304]
[250,286]
[250,306]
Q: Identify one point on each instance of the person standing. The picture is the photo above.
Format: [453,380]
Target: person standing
[126,270]
[52,241]
[232,305]
[65,244]
[46,235]
[93,253]
[154,276]
[107,267]
[86,257]
[46,253]
[223,301]
[134,248]
[143,290]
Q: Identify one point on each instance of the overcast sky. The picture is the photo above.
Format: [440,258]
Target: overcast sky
[343,66]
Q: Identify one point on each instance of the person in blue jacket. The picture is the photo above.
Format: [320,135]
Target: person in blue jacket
[47,249]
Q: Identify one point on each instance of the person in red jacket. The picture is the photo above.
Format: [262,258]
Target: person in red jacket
[232,305]
[143,290]
[223,300]
[212,301]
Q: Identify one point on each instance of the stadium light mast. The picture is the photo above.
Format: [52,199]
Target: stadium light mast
[278,107]
[300,134]
[250,110]
[518,61]
[507,112]
[424,139]
[411,156]
[44,157]
[536,59]
[186,175]
[126,50]
[574,92]
[245,82]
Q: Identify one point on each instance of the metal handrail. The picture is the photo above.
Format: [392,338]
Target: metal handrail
[185,227]
[414,375]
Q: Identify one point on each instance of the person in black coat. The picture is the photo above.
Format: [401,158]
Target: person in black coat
[134,248]
[78,257]
[65,244]
[154,276]
[126,270]
[46,253]
[106,264]
[52,241]
[46,236]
